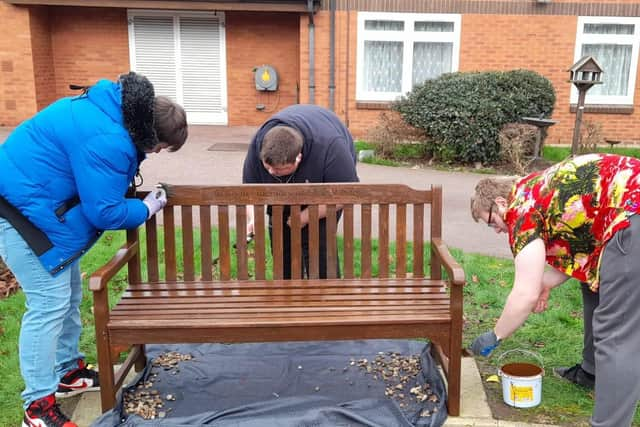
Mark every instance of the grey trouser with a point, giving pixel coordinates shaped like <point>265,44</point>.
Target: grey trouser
<point>616,330</point>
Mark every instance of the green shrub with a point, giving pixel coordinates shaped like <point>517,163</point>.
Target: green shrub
<point>463,112</point>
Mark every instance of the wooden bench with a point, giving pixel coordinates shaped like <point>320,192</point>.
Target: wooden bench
<point>183,296</point>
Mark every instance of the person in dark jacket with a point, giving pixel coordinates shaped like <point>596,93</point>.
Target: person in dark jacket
<point>301,144</point>
<point>65,173</point>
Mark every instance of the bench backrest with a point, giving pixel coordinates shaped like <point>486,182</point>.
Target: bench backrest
<point>214,218</point>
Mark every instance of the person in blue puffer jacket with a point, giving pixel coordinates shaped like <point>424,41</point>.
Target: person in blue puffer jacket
<point>65,175</point>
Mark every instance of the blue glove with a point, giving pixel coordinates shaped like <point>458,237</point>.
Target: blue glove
<point>485,344</point>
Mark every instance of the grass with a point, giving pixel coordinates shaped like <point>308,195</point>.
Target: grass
<point>558,153</point>
<point>556,335</point>
<point>401,156</point>
<point>404,153</point>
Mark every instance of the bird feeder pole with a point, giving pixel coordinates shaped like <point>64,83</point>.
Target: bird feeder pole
<point>583,74</point>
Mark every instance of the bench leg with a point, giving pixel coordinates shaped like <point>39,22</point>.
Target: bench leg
<point>455,362</point>
<point>107,388</point>
<point>451,371</point>
<point>453,400</point>
<point>105,360</point>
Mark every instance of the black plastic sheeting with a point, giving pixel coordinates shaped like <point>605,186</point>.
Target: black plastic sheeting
<point>290,384</point>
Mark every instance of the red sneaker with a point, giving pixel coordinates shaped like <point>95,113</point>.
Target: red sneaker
<point>45,412</point>
<point>78,380</point>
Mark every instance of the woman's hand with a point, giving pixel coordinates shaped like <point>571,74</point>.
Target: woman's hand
<point>543,300</point>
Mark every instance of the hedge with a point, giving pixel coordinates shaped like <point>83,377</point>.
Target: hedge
<point>464,112</point>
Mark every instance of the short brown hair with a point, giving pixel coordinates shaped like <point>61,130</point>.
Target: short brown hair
<point>487,190</point>
<point>281,145</point>
<point>170,122</point>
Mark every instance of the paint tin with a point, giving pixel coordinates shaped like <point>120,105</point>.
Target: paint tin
<point>521,382</point>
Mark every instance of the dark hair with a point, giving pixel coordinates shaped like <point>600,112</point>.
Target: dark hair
<point>281,145</point>
<point>170,122</point>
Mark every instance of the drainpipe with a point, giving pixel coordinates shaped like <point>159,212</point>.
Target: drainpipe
<point>332,55</point>
<point>312,63</point>
<point>348,67</point>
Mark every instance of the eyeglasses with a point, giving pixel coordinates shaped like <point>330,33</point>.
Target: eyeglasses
<point>489,224</point>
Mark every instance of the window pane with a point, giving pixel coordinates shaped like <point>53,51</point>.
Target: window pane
<point>384,25</point>
<point>615,61</point>
<point>608,29</point>
<point>434,27</point>
<point>382,66</point>
<point>430,60</point>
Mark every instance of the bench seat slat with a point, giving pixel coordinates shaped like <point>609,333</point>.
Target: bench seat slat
<point>339,283</point>
<point>283,314</point>
<point>265,303</point>
<point>276,291</point>
<point>263,308</point>
<point>207,311</point>
<point>439,330</point>
<point>277,304</point>
<point>281,321</point>
<point>288,299</point>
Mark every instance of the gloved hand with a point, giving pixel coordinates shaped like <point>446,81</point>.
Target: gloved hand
<point>485,344</point>
<point>155,200</point>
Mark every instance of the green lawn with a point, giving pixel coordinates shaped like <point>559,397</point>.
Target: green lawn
<point>555,335</point>
<point>558,153</point>
<point>408,152</point>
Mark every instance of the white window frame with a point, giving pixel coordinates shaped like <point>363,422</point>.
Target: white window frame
<point>131,13</point>
<point>408,37</point>
<point>622,39</point>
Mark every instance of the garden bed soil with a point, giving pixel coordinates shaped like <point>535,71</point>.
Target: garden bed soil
<point>536,415</point>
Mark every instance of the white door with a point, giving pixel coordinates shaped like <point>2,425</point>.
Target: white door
<point>184,56</point>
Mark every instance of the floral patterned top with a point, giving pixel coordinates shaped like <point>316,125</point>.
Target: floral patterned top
<point>575,207</point>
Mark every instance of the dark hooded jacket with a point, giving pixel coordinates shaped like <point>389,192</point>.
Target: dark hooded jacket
<point>68,168</point>
<point>328,153</point>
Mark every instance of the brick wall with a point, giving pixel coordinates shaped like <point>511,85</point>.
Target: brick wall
<point>541,43</point>
<point>51,48</point>
<point>45,79</point>
<point>17,86</point>
<point>88,44</point>
<point>255,39</point>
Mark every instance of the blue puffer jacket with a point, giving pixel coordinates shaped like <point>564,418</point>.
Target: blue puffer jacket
<point>67,169</point>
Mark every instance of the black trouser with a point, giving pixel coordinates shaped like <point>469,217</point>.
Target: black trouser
<point>322,250</point>
<point>590,301</point>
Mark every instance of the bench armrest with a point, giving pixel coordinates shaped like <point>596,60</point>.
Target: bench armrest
<point>101,276</point>
<point>454,270</point>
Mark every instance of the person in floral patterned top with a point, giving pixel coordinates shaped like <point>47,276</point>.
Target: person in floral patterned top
<point>578,218</point>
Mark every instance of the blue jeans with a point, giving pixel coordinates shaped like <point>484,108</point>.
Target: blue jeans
<point>50,332</point>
